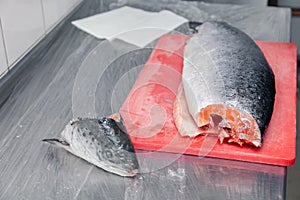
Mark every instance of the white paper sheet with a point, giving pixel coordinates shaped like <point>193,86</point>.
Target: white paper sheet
<point>132,25</point>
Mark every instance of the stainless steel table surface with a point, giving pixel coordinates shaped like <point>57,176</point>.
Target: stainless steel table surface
<point>71,73</point>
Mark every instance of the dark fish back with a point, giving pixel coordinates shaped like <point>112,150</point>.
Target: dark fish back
<point>106,132</point>
<point>116,133</point>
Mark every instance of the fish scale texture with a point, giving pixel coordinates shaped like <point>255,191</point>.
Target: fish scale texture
<point>234,70</point>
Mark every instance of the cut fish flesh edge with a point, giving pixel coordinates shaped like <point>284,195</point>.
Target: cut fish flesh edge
<point>225,122</point>
<point>230,123</point>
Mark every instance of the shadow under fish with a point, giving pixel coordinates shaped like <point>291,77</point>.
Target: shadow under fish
<point>103,142</point>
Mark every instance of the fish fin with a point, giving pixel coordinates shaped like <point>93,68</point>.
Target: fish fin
<point>57,142</point>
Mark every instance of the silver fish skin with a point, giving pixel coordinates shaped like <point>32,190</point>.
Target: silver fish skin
<point>103,142</point>
<point>225,70</point>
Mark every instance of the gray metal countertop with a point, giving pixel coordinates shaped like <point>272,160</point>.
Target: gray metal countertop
<point>38,97</point>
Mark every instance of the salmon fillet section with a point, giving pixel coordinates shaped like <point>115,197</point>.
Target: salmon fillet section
<point>223,121</point>
<point>229,87</point>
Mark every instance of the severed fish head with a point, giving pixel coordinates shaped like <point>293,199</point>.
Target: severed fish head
<point>103,142</point>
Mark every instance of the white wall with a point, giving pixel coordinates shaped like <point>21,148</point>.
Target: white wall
<point>22,24</point>
<point>54,10</point>
<point>25,23</point>
<point>3,63</point>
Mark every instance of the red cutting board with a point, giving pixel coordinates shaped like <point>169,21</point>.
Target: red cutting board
<point>147,111</point>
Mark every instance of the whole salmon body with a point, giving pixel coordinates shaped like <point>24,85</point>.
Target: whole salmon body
<point>229,87</point>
